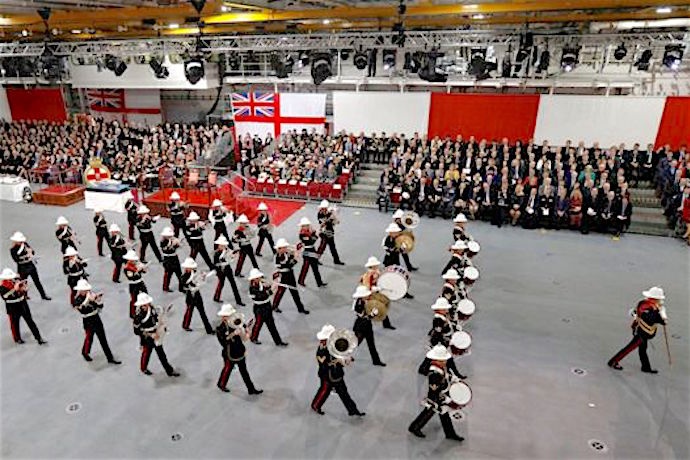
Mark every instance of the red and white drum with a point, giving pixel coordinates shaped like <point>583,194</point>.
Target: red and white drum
<point>465,309</point>
<point>460,343</point>
<point>394,282</point>
<point>460,395</point>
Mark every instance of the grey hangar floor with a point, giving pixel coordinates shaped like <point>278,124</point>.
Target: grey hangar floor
<point>552,309</point>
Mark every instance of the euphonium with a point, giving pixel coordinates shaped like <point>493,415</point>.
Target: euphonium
<point>410,219</point>
<point>342,343</point>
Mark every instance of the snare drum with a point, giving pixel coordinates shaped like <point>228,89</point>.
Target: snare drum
<point>460,395</point>
<point>460,343</point>
<point>473,249</point>
<point>394,282</point>
<point>465,309</point>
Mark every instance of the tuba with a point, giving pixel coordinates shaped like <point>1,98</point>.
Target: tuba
<point>410,220</point>
<point>341,344</point>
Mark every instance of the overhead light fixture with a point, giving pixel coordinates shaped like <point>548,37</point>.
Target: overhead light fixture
<point>304,58</point>
<point>76,31</point>
<point>173,25</point>
<point>321,67</point>
<point>326,21</point>
<point>225,8</point>
<point>429,70</point>
<point>194,69</point>
<point>115,65</point>
<point>570,58</point>
<point>389,59</point>
<point>282,66</point>
<point>25,33</point>
<point>664,10</point>
<point>643,62</point>
<point>198,5</point>
<point>159,70</point>
<point>478,17</point>
<point>360,60</point>
<point>673,55</point>
<point>402,8</point>
<point>479,67</point>
<point>49,65</point>
<point>620,52</point>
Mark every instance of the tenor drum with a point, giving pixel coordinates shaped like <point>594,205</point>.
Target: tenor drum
<point>460,395</point>
<point>473,248</point>
<point>394,282</point>
<point>381,303</point>
<point>460,343</point>
<point>465,309</point>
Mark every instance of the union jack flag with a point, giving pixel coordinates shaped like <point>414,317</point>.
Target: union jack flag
<point>104,100</point>
<point>253,105</point>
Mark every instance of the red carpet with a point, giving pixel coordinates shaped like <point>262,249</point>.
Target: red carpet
<point>280,210</point>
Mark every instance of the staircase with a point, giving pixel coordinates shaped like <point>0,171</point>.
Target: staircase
<point>363,192</point>
<point>648,215</point>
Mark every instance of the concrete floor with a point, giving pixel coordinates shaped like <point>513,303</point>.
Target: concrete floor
<point>548,302</point>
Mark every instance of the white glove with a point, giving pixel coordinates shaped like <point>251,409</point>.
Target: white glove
<point>375,289</point>
<point>374,311</point>
<point>662,313</point>
<point>633,313</point>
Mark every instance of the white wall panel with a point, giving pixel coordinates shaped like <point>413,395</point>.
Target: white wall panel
<point>302,105</point>
<point>607,120</point>
<point>140,76</point>
<point>5,113</point>
<point>375,112</point>
<point>252,128</point>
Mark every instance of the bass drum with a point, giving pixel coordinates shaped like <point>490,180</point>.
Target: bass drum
<point>394,282</point>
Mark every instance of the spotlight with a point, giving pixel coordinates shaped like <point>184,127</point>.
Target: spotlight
<point>428,70</point>
<point>569,59</point>
<point>49,65</point>
<point>115,65</point>
<point>360,60</point>
<point>344,55</point>
<point>673,55</point>
<point>280,65</point>
<point>643,62</point>
<point>321,67</point>
<point>159,70</point>
<point>234,61</point>
<point>304,58</point>
<point>402,8</point>
<point>544,61</point>
<point>194,69</point>
<point>398,39</point>
<point>479,67</point>
<point>388,59</point>
<point>620,52</point>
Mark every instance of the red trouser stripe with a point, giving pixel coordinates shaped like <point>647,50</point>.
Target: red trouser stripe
<point>132,309</point>
<point>303,272</point>
<point>144,358</point>
<point>15,332</point>
<point>626,351</point>
<point>257,327</point>
<point>188,316</point>
<point>86,349</point>
<point>225,373</point>
<point>240,262</point>
<point>219,288</point>
<point>166,280</point>
<point>320,395</point>
<point>322,246</point>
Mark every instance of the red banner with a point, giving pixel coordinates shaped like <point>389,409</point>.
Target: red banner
<point>675,123</point>
<point>36,104</point>
<point>484,116</point>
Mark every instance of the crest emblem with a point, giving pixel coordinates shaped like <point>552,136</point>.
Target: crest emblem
<point>96,172</point>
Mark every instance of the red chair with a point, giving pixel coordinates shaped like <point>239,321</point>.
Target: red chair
<point>270,187</point>
<point>292,188</point>
<point>395,197</point>
<point>336,192</point>
<point>260,186</point>
<point>343,180</point>
<point>325,190</point>
<point>252,185</point>
<point>303,189</point>
<point>282,187</point>
<point>313,190</point>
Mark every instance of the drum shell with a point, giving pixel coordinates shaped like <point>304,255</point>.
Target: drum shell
<point>394,282</point>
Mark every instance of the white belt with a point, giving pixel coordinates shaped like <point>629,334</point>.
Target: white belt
<point>136,282</point>
<point>284,270</point>
<point>81,272</point>
<point>195,237</point>
<point>95,312</point>
<point>145,230</point>
<point>170,255</point>
<point>262,302</point>
<point>13,300</point>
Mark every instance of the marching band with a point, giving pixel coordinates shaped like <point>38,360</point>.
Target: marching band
<point>383,284</point>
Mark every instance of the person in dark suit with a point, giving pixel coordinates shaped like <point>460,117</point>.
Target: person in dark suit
<point>486,202</point>
<point>502,200</point>
<point>606,212</point>
<point>622,211</point>
<point>530,218</point>
<point>590,209</point>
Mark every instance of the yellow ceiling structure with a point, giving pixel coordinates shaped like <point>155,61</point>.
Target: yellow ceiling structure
<point>138,21</point>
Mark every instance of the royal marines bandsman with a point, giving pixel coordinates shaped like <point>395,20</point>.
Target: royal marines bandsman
<point>145,226</point>
<point>327,221</point>
<point>458,261</point>
<point>118,249</point>
<point>232,334</point>
<point>440,333</point>
<point>192,284</point>
<point>242,237</point>
<point>13,292</point>
<point>132,216</point>
<point>310,258</point>
<point>134,272</point>
<point>392,252</point>
<point>221,259</point>
<point>648,314</point>
<point>65,234</point>
<point>260,292</point>
<point>195,237</point>
<point>217,217</point>
<point>332,376</point>
<point>176,211</point>
<point>101,229</point>
<point>285,261</point>
<point>24,256</point>
<point>74,267</point>
<point>435,400</point>
<point>459,231</point>
<point>147,324</point>
<point>397,220</point>
<point>370,279</point>
<point>171,263</point>
<point>363,328</point>
<point>89,306</point>
<point>263,222</point>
